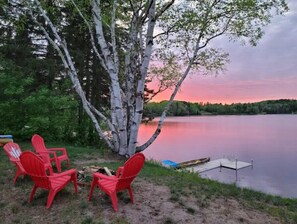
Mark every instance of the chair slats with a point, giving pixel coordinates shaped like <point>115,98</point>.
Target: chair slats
<point>14,151</point>
<point>122,181</point>
<point>36,168</point>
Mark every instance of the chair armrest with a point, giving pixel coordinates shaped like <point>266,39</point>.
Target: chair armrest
<point>103,176</point>
<point>45,155</point>
<point>57,149</point>
<point>66,173</point>
<point>52,153</point>
<point>49,169</point>
<point>119,171</point>
<point>14,160</point>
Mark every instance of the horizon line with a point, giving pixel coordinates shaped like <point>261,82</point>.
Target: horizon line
<point>224,103</point>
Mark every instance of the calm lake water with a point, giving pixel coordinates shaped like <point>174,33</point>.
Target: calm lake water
<point>269,140</point>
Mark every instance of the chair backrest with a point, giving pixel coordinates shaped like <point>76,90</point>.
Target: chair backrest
<point>130,170</point>
<point>35,168</point>
<point>39,146</point>
<point>13,151</point>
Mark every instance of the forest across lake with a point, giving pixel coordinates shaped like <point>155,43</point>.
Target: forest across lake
<point>183,108</point>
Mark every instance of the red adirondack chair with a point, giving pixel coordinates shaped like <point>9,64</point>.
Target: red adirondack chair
<point>14,151</point>
<point>122,181</point>
<point>38,171</point>
<point>40,148</point>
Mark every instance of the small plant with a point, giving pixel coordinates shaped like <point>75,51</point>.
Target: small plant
<point>83,204</point>
<point>191,210</point>
<point>2,204</point>
<point>15,209</point>
<point>202,201</point>
<point>87,220</point>
<point>121,220</point>
<point>169,221</point>
<point>295,218</point>
<point>174,197</point>
<point>16,220</point>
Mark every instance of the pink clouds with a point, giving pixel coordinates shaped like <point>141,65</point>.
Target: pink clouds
<point>221,90</point>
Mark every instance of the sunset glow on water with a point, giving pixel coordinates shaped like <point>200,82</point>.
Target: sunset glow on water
<point>269,140</point>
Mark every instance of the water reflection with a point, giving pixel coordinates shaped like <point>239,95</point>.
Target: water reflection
<point>267,139</point>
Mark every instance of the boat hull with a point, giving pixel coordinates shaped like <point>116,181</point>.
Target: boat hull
<point>193,162</point>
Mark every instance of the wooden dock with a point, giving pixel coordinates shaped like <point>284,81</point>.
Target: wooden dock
<point>220,163</point>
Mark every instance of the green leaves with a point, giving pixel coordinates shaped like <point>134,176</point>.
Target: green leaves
<point>210,60</point>
<point>25,111</point>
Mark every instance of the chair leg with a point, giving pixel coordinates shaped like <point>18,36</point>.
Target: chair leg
<point>68,163</point>
<point>50,198</point>
<point>33,192</point>
<point>74,182</point>
<point>94,182</point>
<point>58,164</point>
<point>18,173</point>
<point>131,194</point>
<point>16,177</point>
<point>114,200</point>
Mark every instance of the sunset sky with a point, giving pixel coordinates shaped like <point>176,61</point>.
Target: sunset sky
<point>267,71</point>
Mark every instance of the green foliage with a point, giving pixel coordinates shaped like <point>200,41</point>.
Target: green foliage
<point>50,114</point>
<point>36,97</point>
<point>24,112</point>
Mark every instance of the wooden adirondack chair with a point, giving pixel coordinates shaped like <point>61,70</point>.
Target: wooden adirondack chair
<point>38,171</point>
<point>14,151</point>
<point>40,148</point>
<point>122,181</point>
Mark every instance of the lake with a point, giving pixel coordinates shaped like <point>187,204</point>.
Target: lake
<point>269,140</point>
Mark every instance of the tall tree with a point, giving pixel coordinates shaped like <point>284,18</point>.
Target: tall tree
<point>26,107</point>
<point>175,34</point>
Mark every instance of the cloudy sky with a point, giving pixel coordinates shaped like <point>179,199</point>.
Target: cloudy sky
<point>267,71</point>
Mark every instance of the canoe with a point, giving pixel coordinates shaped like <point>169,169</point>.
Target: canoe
<point>193,162</point>
<point>6,136</point>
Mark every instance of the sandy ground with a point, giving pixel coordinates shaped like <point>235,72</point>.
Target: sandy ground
<point>153,205</point>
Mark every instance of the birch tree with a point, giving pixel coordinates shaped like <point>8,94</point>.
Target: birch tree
<point>163,39</point>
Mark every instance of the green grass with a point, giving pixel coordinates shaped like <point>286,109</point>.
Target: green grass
<point>181,185</point>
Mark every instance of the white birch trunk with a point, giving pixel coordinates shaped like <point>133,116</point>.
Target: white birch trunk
<point>115,85</point>
<point>141,82</point>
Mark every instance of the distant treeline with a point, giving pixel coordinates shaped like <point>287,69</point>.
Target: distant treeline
<point>182,108</point>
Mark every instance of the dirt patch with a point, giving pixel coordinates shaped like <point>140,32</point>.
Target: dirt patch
<point>153,204</point>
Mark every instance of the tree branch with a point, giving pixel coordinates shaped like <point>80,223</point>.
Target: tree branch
<point>164,8</point>
<point>113,36</point>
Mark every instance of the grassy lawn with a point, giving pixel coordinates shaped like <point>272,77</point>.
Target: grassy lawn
<point>69,207</point>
